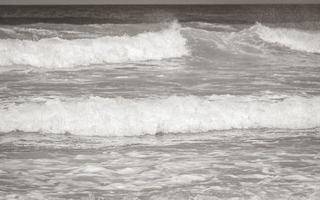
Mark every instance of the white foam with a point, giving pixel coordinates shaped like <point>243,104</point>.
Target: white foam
<point>292,38</point>
<point>129,117</point>
<point>57,53</point>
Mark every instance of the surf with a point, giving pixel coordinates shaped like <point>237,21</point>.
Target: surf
<point>62,53</point>
<point>257,39</point>
<point>295,39</point>
<point>149,116</point>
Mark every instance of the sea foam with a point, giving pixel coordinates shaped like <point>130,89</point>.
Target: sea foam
<point>62,53</point>
<point>174,114</point>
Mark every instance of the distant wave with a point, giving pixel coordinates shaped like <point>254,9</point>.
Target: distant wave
<point>292,38</point>
<point>59,53</point>
<point>256,38</point>
<point>189,114</point>
<point>171,42</point>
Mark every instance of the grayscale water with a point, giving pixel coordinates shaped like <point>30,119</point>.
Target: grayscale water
<point>160,102</point>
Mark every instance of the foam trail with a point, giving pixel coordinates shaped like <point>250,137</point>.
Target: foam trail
<point>189,114</point>
<point>292,38</point>
<point>56,52</point>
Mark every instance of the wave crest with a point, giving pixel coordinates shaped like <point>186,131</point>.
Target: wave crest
<point>257,39</point>
<point>190,114</point>
<point>58,53</point>
<point>292,38</point>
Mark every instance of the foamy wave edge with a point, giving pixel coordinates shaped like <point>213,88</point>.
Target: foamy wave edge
<point>61,53</point>
<point>133,117</point>
<point>300,40</point>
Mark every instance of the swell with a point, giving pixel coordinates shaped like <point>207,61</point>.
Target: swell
<point>132,117</point>
<point>59,53</point>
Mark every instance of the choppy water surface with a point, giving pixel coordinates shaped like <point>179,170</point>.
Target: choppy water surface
<point>163,103</point>
<point>254,164</point>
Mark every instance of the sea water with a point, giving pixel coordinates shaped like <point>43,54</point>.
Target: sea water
<point>160,102</point>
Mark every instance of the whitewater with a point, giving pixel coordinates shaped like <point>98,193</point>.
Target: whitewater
<point>125,117</point>
<point>56,52</point>
<point>175,44</point>
<point>167,102</point>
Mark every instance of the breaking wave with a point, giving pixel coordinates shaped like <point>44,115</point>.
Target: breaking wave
<point>132,117</point>
<point>59,53</point>
<point>171,42</point>
<point>292,38</point>
<point>257,39</point>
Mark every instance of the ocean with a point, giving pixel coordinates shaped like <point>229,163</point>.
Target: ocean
<point>160,102</point>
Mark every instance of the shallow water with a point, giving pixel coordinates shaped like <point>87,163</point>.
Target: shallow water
<point>252,164</point>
